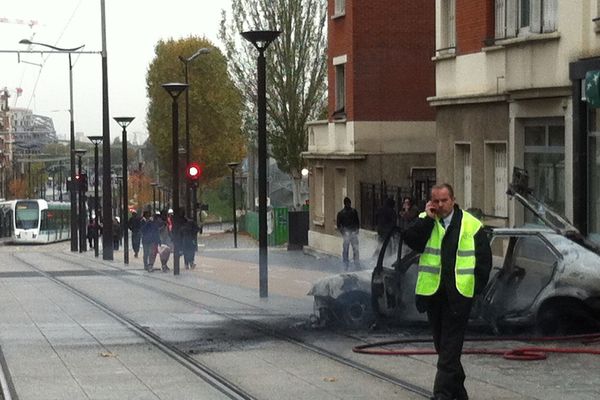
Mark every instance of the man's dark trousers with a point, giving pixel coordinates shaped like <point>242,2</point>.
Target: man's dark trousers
<point>448,324</point>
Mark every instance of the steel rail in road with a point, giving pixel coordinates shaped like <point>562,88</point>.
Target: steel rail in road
<point>263,328</point>
<point>209,375</point>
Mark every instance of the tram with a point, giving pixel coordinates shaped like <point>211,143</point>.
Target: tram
<point>34,221</point>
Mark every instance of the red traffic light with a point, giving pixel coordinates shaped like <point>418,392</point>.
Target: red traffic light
<point>193,171</point>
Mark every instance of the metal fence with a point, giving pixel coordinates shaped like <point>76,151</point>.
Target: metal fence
<point>373,195</point>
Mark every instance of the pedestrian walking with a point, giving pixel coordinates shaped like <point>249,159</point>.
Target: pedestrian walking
<point>116,232</point>
<point>189,242</point>
<point>150,239</point>
<point>92,232</point>
<point>454,266</point>
<point>135,226</point>
<point>166,241</point>
<point>385,219</point>
<point>348,224</point>
<point>408,213</point>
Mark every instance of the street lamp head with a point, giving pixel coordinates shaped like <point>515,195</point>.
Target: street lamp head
<point>72,49</point>
<point>261,39</point>
<point>124,121</point>
<point>175,89</point>
<point>304,171</point>
<point>79,152</point>
<point>154,184</point>
<point>96,140</point>
<point>233,165</point>
<point>203,50</point>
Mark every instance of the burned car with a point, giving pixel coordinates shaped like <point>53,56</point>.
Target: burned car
<point>547,277</point>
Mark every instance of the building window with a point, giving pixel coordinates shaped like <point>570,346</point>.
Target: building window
<point>522,17</point>
<point>340,90</point>
<point>594,174</point>
<point>496,180</point>
<point>544,159</point>
<point>340,7</point>
<point>462,175</point>
<point>448,27</point>
<point>319,194</point>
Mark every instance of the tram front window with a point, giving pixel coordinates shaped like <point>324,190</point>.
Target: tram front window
<point>27,215</point>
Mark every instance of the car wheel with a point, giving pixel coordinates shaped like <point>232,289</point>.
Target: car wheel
<point>354,310</point>
<point>565,318</point>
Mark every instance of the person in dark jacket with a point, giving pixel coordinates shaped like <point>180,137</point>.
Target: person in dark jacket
<point>454,266</point>
<point>150,239</point>
<point>408,213</point>
<point>135,226</point>
<point>116,232</point>
<point>385,219</point>
<point>189,242</point>
<point>348,224</point>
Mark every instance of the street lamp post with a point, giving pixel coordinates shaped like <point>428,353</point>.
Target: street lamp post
<point>174,90</point>
<point>233,166</point>
<point>154,185</point>
<point>261,40</point>
<point>79,153</point>
<point>96,140</point>
<point>120,211</point>
<point>124,122</point>
<point>185,62</point>
<point>72,135</point>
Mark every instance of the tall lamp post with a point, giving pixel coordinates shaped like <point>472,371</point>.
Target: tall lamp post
<point>96,140</point>
<point>154,185</point>
<point>72,134</point>
<point>185,62</point>
<point>233,166</point>
<point>124,122</point>
<point>261,40</point>
<point>174,90</point>
<point>79,187</point>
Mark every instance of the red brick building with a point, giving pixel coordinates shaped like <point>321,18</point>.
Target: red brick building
<point>380,132</point>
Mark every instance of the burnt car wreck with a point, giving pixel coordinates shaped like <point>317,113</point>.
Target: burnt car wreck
<point>544,276</point>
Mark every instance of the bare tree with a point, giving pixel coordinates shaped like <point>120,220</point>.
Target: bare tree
<point>296,72</point>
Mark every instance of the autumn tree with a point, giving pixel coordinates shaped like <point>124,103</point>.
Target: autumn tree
<point>296,71</point>
<point>215,107</point>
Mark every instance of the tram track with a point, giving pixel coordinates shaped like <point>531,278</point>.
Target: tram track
<point>210,376</point>
<point>258,326</point>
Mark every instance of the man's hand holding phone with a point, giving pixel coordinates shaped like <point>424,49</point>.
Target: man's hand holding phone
<point>430,209</point>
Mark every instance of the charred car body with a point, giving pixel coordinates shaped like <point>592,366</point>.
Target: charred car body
<point>545,277</point>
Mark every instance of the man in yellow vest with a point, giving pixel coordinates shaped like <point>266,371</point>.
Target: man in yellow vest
<point>454,266</point>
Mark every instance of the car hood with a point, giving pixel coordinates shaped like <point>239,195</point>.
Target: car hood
<point>335,285</point>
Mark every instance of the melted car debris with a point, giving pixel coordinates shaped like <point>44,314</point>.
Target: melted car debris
<point>546,277</point>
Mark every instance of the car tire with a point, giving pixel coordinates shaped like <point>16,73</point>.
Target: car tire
<point>566,317</point>
<point>354,310</point>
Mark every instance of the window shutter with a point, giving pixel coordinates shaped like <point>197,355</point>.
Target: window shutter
<point>535,16</point>
<point>549,13</point>
<point>451,34</point>
<point>511,17</point>
<point>500,181</point>
<point>500,19</point>
<point>467,177</point>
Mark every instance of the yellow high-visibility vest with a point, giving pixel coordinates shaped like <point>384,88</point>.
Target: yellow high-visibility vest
<point>430,262</point>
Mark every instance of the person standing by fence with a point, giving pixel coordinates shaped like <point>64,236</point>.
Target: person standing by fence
<point>349,225</point>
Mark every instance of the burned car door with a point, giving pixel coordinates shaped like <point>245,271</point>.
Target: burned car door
<point>527,268</point>
<point>394,279</point>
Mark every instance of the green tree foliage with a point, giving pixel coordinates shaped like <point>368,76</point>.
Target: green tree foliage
<point>296,69</point>
<point>215,107</point>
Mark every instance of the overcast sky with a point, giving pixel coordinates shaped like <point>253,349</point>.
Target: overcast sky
<point>133,28</point>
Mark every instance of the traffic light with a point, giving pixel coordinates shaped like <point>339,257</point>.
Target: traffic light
<point>193,172</point>
<point>81,181</point>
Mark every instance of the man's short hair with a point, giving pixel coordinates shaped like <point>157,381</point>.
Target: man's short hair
<point>347,201</point>
<point>446,186</point>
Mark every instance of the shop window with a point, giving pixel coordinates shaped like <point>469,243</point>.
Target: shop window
<point>544,158</point>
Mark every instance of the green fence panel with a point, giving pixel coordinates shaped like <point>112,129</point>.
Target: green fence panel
<point>280,229</point>
<point>279,235</point>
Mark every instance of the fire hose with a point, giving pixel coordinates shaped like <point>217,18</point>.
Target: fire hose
<point>527,353</point>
